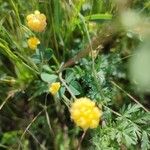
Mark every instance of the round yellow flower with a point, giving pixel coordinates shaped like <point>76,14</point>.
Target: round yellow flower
<point>33,42</point>
<point>54,87</point>
<point>85,113</point>
<point>36,21</point>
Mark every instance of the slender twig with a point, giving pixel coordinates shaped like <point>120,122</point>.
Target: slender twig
<point>27,128</point>
<point>82,137</point>
<point>47,116</point>
<point>10,94</point>
<point>4,102</point>
<point>3,146</point>
<point>116,113</point>
<point>66,101</point>
<point>48,122</point>
<point>37,141</point>
<point>130,96</point>
<point>31,123</point>
<point>66,86</point>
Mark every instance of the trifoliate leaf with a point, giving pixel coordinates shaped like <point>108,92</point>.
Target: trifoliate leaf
<point>50,78</point>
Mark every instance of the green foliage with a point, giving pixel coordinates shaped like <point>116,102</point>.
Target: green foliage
<point>125,130</point>
<point>50,78</point>
<point>11,139</point>
<point>99,17</point>
<point>33,118</point>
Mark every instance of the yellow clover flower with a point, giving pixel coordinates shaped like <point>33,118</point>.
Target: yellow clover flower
<point>33,42</point>
<point>85,113</point>
<point>54,87</point>
<point>36,21</point>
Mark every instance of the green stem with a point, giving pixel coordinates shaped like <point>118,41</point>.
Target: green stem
<point>64,83</point>
<point>55,60</point>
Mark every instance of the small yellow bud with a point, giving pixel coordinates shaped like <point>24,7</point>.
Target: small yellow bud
<point>85,113</point>
<point>36,21</point>
<point>54,87</point>
<point>36,12</point>
<point>33,42</point>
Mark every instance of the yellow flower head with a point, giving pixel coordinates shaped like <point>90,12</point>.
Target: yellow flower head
<point>85,113</point>
<point>33,42</point>
<point>54,87</point>
<point>36,21</point>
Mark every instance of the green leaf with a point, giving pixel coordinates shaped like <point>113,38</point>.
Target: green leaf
<point>46,68</point>
<point>74,91</point>
<point>130,109</point>
<point>126,132</point>
<point>62,91</point>
<point>48,54</point>
<point>69,77</point>
<point>145,145</point>
<point>49,78</point>
<point>41,88</point>
<point>10,137</point>
<point>36,58</point>
<point>142,117</point>
<point>129,140</point>
<point>75,87</point>
<point>99,17</point>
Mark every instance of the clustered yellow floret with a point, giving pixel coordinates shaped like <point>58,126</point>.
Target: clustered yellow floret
<point>36,21</point>
<point>33,42</point>
<point>54,87</point>
<point>85,113</point>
